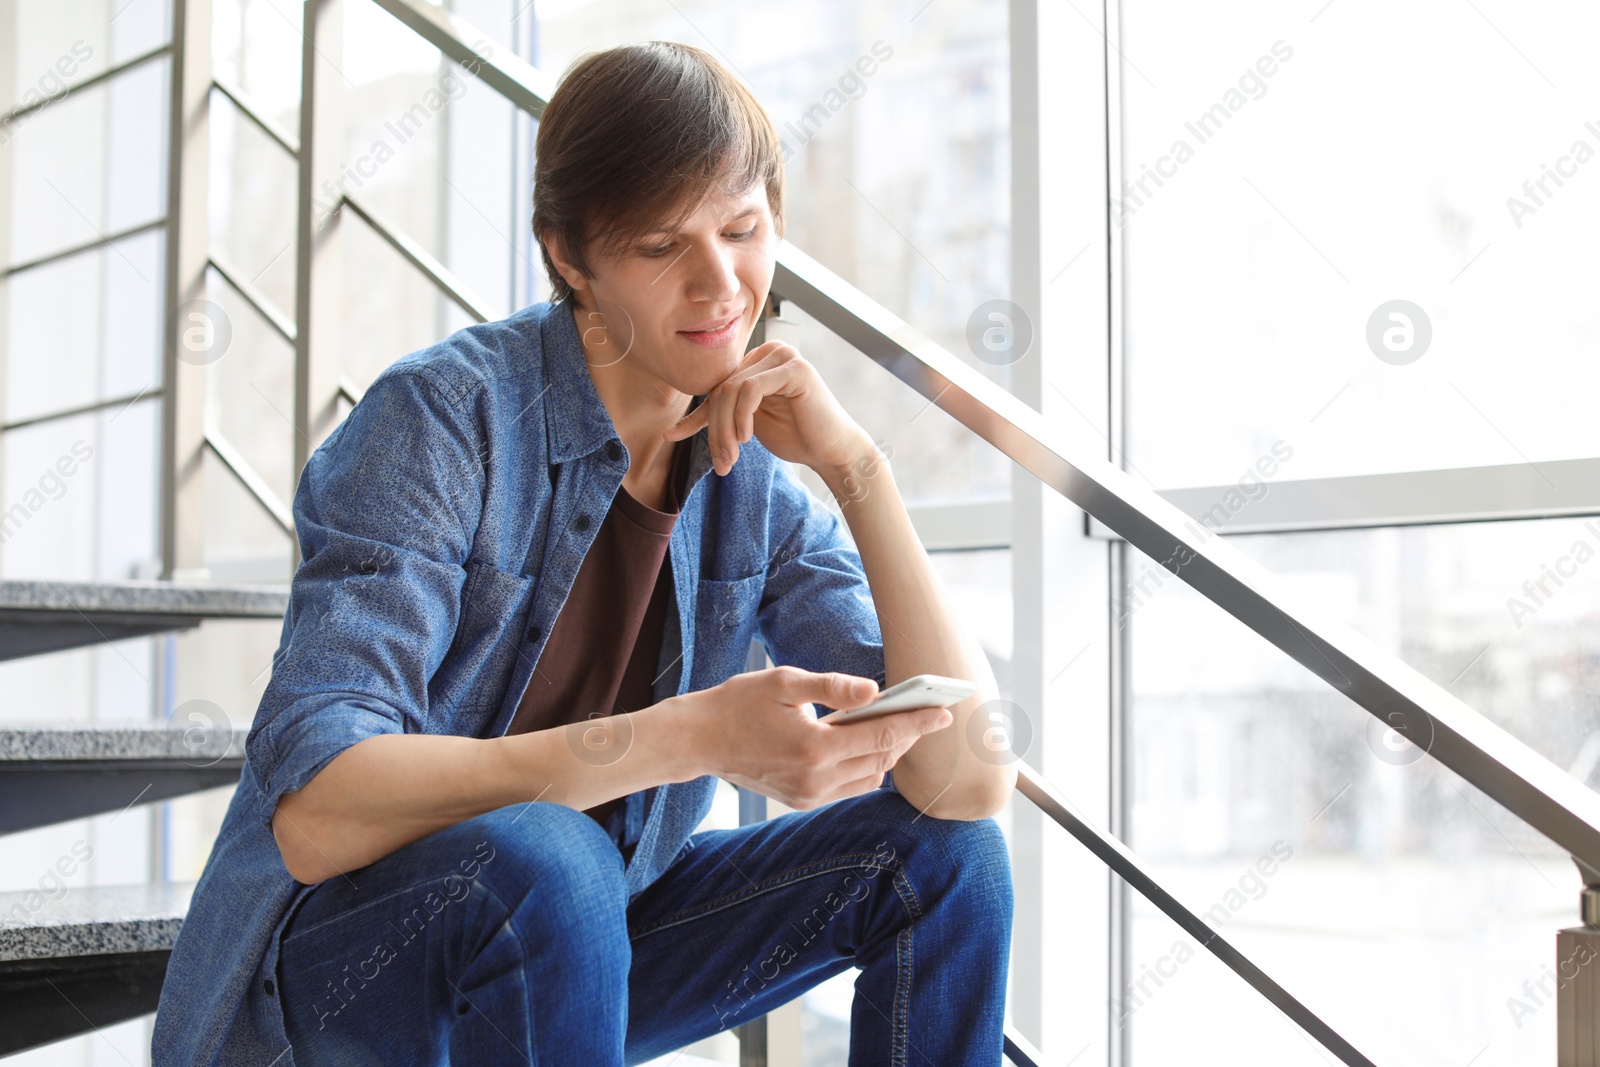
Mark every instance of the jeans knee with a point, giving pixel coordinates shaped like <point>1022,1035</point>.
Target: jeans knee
<point>552,865</point>
<point>971,854</point>
<point>980,851</point>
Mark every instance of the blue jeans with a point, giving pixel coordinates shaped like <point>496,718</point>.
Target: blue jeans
<point>509,939</point>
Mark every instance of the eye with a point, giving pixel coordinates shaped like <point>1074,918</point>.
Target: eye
<point>745,236</point>
<point>655,253</point>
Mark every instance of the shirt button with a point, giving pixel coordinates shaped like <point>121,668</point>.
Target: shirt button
<point>613,451</point>
<point>581,522</point>
<point>271,991</point>
<point>534,633</point>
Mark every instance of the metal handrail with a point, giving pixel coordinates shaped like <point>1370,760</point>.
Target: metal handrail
<point>1527,784</point>
<point>102,241</point>
<point>1020,1051</point>
<point>252,482</point>
<point>506,72</point>
<point>24,110</point>
<point>81,409</point>
<point>280,323</point>
<point>350,391</point>
<point>1117,856</point>
<point>441,276</point>
<point>277,134</point>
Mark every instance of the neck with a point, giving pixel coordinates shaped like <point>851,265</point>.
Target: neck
<point>641,406</point>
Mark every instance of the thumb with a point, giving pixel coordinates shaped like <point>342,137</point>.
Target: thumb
<point>849,690</point>
<point>834,688</point>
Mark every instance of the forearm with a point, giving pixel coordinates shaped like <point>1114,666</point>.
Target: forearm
<point>940,774</point>
<point>385,792</point>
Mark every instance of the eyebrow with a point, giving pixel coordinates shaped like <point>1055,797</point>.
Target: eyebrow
<point>752,209</point>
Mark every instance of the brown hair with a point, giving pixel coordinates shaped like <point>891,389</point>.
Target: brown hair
<point>634,132</point>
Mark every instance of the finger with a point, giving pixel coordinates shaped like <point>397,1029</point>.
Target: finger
<point>690,423</point>
<point>833,688</point>
<point>884,733</point>
<point>858,767</point>
<point>855,788</point>
<point>751,393</point>
<point>777,380</point>
<point>763,356</point>
<point>721,429</point>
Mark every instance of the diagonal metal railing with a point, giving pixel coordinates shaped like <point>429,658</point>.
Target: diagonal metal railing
<point>1400,697</point>
<point>1527,784</point>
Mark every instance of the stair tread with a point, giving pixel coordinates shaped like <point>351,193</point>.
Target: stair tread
<point>145,597</point>
<point>92,920</point>
<point>192,742</point>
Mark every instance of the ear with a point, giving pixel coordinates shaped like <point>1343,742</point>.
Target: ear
<point>558,255</point>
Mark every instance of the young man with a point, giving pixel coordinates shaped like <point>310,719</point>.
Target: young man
<point>535,556</point>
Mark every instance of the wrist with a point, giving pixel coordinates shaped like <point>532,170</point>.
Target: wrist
<point>851,478</point>
<point>685,743</point>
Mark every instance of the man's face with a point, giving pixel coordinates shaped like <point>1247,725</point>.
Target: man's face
<point>657,304</point>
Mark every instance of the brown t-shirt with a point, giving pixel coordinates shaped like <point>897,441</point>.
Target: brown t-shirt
<point>602,651</point>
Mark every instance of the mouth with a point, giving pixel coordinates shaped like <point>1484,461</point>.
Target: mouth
<point>716,334</point>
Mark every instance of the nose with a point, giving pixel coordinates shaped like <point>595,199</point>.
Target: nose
<point>711,273</point>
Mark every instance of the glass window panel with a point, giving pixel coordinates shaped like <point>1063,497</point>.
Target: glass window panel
<point>242,543</point>
<point>390,308</point>
<point>69,508</point>
<point>84,328</point>
<point>253,209</point>
<point>1397,868</point>
<point>89,165</point>
<point>1276,202</point>
<point>481,238</point>
<point>136,28</point>
<point>256,45</point>
<point>250,392</point>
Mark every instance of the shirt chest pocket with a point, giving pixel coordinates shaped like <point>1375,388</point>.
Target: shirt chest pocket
<point>477,669</point>
<point>725,618</point>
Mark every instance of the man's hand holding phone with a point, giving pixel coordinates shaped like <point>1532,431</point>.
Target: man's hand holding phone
<point>758,730</point>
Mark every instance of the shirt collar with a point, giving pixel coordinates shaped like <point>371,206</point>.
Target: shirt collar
<point>576,421</point>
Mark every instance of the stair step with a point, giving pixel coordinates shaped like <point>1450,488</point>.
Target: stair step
<point>188,743</point>
<point>52,773</point>
<point>87,959</point>
<point>42,615</point>
<point>110,945</point>
<point>92,920</point>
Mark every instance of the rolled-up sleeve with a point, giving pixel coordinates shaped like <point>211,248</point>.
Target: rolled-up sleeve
<point>816,606</point>
<point>385,513</point>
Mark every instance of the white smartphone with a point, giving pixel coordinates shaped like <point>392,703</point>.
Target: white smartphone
<point>920,691</point>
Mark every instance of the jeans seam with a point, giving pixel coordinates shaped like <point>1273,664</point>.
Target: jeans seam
<point>902,989</point>
<point>899,1036</point>
<point>766,885</point>
<point>410,887</point>
<point>900,879</point>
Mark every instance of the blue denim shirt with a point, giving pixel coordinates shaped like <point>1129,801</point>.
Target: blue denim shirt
<point>441,526</point>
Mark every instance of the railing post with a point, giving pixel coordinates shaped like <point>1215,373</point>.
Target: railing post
<point>318,302</point>
<point>8,100</point>
<point>190,326</point>
<point>1578,981</point>
<point>1058,360</point>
